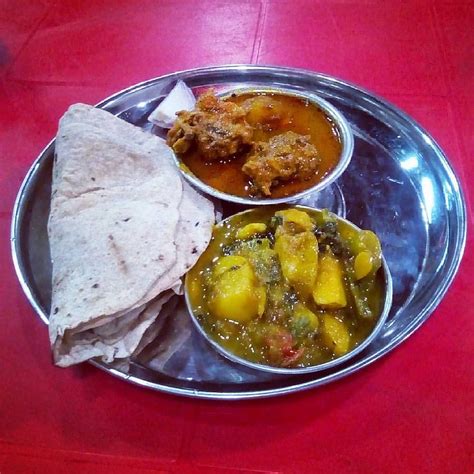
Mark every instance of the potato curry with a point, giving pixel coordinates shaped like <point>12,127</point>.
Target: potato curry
<point>256,144</point>
<point>288,288</point>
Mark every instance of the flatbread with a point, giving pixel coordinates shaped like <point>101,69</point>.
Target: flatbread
<point>114,214</point>
<point>116,340</point>
<point>153,330</point>
<point>123,230</point>
<point>174,338</point>
<point>194,232</point>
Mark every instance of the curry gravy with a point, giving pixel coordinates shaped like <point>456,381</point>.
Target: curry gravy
<point>300,116</point>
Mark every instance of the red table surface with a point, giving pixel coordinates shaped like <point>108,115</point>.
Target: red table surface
<point>412,411</point>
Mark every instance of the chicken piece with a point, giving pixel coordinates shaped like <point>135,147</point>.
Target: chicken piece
<point>217,129</point>
<point>284,157</point>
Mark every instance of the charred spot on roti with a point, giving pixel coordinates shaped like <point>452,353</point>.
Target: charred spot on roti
<point>117,254</point>
<point>56,309</point>
<point>58,281</point>
<point>127,219</point>
<point>194,251</point>
<point>95,285</point>
<point>92,178</point>
<point>197,223</point>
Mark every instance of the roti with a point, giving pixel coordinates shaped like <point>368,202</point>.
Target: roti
<point>120,233</point>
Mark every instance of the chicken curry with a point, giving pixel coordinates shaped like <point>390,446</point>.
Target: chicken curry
<point>261,144</point>
<point>288,288</point>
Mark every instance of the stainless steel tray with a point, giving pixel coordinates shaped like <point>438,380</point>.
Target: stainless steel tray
<point>398,183</point>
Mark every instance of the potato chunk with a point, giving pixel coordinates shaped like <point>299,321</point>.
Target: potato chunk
<point>251,229</point>
<point>365,246</point>
<point>295,220</point>
<point>372,245</point>
<point>363,264</point>
<point>298,256</point>
<point>335,334</point>
<point>226,263</point>
<point>329,291</point>
<point>235,293</point>
<point>263,112</point>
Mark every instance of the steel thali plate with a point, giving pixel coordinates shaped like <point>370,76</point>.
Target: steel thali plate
<point>399,184</point>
